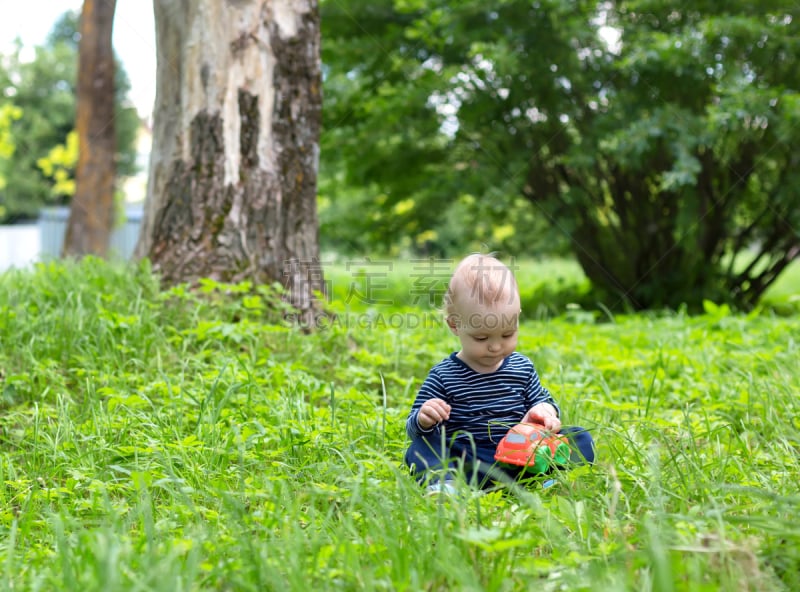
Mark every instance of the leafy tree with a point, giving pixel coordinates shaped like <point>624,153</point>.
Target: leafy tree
<point>40,87</point>
<point>388,151</point>
<point>658,137</point>
<point>45,88</point>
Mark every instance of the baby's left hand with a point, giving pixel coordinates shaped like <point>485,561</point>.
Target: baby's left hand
<point>544,414</point>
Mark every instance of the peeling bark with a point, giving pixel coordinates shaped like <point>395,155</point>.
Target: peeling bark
<point>232,191</point>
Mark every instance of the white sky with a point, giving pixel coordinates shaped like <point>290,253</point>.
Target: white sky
<point>134,37</point>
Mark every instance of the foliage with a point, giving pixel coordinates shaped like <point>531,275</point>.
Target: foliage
<point>45,88</point>
<point>8,113</point>
<point>184,440</point>
<point>656,138</point>
<point>59,165</point>
<point>384,151</point>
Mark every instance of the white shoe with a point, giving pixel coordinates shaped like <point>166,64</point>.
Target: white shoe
<point>447,487</point>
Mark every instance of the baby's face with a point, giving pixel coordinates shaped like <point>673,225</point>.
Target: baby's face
<point>488,333</point>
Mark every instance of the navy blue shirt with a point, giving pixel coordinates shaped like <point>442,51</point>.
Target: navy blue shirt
<point>482,406</point>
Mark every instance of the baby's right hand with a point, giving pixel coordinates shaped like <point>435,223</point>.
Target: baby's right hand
<point>432,412</point>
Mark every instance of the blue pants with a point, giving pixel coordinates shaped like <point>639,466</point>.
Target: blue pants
<point>430,455</point>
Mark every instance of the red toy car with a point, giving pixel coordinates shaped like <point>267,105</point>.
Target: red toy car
<point>531,445</point>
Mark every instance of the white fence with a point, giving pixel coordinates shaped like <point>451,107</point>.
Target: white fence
<point>19,246</point>
<point>24,244</point>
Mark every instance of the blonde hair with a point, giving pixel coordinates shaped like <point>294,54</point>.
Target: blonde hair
<point>483,278</point>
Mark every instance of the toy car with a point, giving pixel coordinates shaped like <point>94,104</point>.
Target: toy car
<point>531,445</point>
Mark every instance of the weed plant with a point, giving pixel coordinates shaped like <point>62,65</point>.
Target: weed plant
<point>185,440</point>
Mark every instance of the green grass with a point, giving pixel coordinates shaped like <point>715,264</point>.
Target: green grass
<point>170,440</point>
<point>786,289</point>
<point>548,287</point>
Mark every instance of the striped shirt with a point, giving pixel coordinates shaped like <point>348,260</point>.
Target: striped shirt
<point>482,406</point>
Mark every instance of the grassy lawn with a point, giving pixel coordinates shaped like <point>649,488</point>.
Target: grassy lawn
<point>786,287</point>
<point>547,286</point>
<point>178,441</point>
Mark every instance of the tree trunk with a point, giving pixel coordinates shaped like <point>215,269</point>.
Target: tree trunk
<point>233,169</point>
<point>92,211</point>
